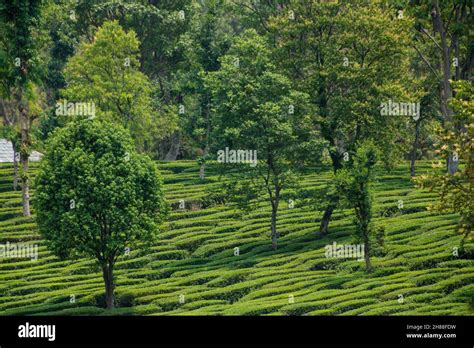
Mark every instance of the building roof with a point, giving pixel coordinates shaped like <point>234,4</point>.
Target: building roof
<point>6,152</point>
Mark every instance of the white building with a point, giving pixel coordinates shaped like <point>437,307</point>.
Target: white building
<point>6,152</point>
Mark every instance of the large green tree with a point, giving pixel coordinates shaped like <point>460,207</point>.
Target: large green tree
<point>159,26</point>
<point>106,72</point>
<point>95,196</point>
<point>350,57</point>
<point>256,109</point>
<point>208,38</point>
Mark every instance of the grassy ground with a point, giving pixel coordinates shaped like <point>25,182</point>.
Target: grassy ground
<point>192,269</point>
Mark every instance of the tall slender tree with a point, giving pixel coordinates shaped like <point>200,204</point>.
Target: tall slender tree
<point>353,183</point>
<point>207,40</point>
<point>448,33</point>
<point>20,20</point>
<point>256,109</point>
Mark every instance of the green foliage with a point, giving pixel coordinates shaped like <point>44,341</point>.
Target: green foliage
<point>106,72</point>
<point>19,19</point>
<point>94,194</point>
<point>252,102</point>
<point>353,183</point>
<point>285,78</point>
<point>456,191</point>
<point>419,251</point>
<point>257,109</point>
<point>349,57</point>
<point>208,38</point>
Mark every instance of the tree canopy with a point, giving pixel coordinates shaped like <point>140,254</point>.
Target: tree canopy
<point>96,195</point>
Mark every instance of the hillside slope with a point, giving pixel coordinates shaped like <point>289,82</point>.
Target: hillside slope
<point>192,269</point>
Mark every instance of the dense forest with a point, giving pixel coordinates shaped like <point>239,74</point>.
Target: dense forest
<point>179,136</point>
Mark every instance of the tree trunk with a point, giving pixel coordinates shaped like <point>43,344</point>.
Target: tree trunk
<point>414,148</point>
<point>412,162</point>
<point>451,165</point>
<point>274,227</point>
<point>323,227</point>
<point>15,166</point>
<point>24,159</point>
<point>25,144</point>
<point>25,194</point>
<point>446,90</point>
<point>174,147</point>
<point>368,265</point>
<point>202,169</point>
<point>107,272</point>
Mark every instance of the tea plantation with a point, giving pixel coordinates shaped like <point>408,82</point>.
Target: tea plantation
<point>193,268</point>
